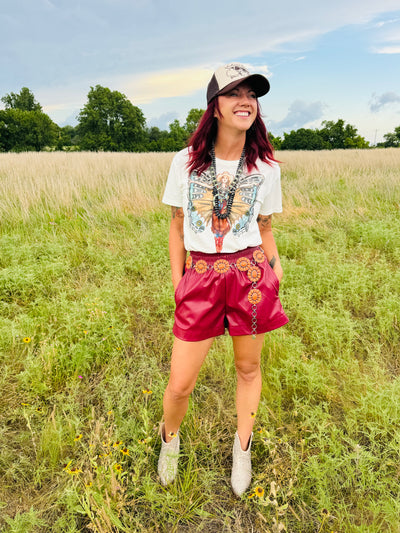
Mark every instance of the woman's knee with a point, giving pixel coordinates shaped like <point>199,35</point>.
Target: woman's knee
<point>248,371</point>
<point>178,390</point>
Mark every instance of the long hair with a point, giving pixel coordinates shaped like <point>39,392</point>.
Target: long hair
<point>257,143</point>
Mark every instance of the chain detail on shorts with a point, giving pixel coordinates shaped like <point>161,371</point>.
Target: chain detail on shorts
<point>244,264</point>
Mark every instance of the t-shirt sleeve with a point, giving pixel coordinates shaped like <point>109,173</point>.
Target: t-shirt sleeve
<point>273,201</point>
<point>172,192</point>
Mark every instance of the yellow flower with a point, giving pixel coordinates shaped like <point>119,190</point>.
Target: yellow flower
<point>85,331</point>
<point>118,467</point>
<point>88,484</point>
<point>253,414</point>
<point>27,340</point>
<point>110,412</point>
<point>25,404</point>
<point>259,492</point>
<point>73,471</point>
<point>125,451</point>
<point>117,444</point>
<point>172,434</point>
<point>147,391</point>
<point>251,495</point>
<point>78,437</point>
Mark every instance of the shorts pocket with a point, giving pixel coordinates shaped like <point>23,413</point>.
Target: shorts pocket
<point>274,278</point>
<point>179,291</point>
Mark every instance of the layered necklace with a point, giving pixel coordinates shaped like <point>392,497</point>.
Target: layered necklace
<point>218,199</point>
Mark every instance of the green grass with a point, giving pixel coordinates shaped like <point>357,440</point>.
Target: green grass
<point>86,282</point>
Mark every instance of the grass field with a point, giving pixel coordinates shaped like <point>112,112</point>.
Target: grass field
<point>86,311</point>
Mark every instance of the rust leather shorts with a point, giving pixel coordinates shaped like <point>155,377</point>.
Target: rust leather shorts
<point>238,291</point>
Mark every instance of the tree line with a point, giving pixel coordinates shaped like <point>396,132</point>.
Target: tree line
<point>110,122</point>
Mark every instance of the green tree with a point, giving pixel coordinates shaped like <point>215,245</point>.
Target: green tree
<point>336,135</point>
<point>392,139</point>
<point>67,138</point>
<point>275,141</point>
<point>25,101</point>
<point>303,139</point>
<point>192,120</point>
<point>23,131</point>
<point>110,122</point>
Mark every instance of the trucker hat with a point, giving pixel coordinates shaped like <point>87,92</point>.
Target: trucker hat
<point>228,76</point>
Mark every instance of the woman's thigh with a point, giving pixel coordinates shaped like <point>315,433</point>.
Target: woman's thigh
<point>186,361</point>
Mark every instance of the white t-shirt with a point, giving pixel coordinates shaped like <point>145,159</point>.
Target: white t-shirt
<point>258,192</point>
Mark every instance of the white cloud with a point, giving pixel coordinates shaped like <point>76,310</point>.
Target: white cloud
<point>378,102</point>
<point>391,49</point>
<point>300,114</point>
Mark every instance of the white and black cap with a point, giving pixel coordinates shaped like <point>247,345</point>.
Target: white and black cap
<point>228,76</point>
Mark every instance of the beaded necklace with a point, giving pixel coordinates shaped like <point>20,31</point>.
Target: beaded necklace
<point>217,198</point>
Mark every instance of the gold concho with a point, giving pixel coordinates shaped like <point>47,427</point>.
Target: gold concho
<point>243,264</point>
<point>200,266</point>
<point>258,256</point>
<point>221,266</point>
<point>254,296</point>
<point>254,274</point>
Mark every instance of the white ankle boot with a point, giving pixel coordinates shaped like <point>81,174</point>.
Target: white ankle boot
<point>168,460</point>
<point>241,467</point>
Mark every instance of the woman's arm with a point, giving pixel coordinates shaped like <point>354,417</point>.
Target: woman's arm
<point>268,243</point>
<point>177,252</point>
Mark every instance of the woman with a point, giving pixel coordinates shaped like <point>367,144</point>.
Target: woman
<point>222,191</point>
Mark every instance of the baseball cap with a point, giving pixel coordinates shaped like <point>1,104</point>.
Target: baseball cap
<point>228,76</point>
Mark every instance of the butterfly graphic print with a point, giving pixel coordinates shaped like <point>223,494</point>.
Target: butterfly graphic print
<point>201,210</point>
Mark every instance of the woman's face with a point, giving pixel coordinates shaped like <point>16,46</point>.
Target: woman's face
<point>238,108</point>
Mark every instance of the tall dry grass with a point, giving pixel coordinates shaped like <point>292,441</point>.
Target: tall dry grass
<point>42,183</point>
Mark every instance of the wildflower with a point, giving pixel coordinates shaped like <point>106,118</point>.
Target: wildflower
<point>73,471</point>
<point>118,467</point>
<point>105,454</point>
<point>88,484</point>
<point>260,430</point>
<point>125,451</point>
<point>172,434</point>
<point>78,437</point>
<point>39,410</point>
<point>324,512</point>
<point>117,444</point>
<point>118,348</point>
<point>259,492</point>
<point>67,466</point>
<point>106,444</point>
<point>27,340</point>
<point>110,412</point>
<point>25,404</point>
<point>80,377</point>
<point>147,391</point>
<point>251,495</point>
<point>85,331</point>
<point>253,414</point>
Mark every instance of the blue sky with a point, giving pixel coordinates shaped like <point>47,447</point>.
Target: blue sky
<point>324,62</point>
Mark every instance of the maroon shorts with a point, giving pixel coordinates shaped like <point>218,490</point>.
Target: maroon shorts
<point>238,291</point>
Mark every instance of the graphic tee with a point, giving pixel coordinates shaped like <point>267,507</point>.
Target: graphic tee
<point>258,193</point>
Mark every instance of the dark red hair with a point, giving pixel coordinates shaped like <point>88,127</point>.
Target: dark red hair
<point>200,143</point>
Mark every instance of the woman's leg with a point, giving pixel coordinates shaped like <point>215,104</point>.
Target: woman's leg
<point>247,361</point>
<point>186,361</point>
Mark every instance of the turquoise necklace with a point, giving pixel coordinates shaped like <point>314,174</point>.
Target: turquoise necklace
<point>217,199</point>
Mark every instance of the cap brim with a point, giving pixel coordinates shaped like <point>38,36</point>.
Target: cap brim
<point>258,83</point>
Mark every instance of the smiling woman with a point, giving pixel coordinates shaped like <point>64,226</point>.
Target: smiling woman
<point>223,190</point>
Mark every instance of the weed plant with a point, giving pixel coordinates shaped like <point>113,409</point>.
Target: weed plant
<point>86,311</point>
